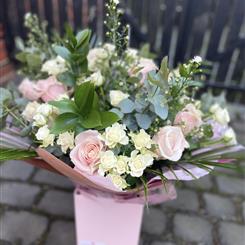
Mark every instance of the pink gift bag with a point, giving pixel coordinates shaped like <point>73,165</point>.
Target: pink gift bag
<point>105,221</point>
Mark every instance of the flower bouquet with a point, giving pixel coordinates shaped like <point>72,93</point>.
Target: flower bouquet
<point>107,117</point>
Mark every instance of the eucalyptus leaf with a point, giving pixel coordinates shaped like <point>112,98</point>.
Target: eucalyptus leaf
<point>5,95</point>
<point>143,120</point>
<point>118,112</point>
<point>67,78</point>
<point>62,51</point>
<point>127,106</point>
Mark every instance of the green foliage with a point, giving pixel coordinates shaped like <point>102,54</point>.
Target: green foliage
<point>82,113</point>
<point>36,49</point>
<point>15,154</point>
<point>145,52</point>
<point>5,99</point>
<point>74,50</point>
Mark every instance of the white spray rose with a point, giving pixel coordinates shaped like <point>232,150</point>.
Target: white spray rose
<point>230,137</point>
<point>220,115</point>
<point>107,161</point>
<point>97,79</point>
<point>39,120</point>
<point>45,109</point>
<point>43,134</point>
<point>116,134</point>
<point>118,181</point>
<point>138,163</point>
<point>122,165</point>
<point>116,96</point>
<point>30,110</point>
<point>66,141</point>
<point>54,66</point>
<point>141,140</point>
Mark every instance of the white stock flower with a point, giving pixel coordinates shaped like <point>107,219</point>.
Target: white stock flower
<point>39,120</point>
<point>54,66</point>
<point>97,79</point>
<point>230,137</point>
<point>107,161</point>
<point>122,165</point>
<point>138,163</point>
<point>118,181</point>
<point>116,96</point>
<point>66,141</point>
<point>220,115</point>
<point>30,110</point>
<point>141,140</point>
<point>97,58</point>
<point>116,134</point>
<point>43,134</point>
<point>45,109</point>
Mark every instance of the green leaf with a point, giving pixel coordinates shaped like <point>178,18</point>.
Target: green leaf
<point>5,95</point>
<point>83,37</point>
<point>33,60</point>
<point>65,105</point>
<point>164,71</point>
<point>84,97</point>
<point>67,78</point>
<point>96,101</point>
<point>92,120</point>
<point>62,51</point>
<point>107,119</point>
<point>15,154</point>
<point>64,122</point>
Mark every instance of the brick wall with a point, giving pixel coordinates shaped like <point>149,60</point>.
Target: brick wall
<point>6,68</point>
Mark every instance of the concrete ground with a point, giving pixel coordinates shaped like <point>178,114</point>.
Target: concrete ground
<point>36,207</point>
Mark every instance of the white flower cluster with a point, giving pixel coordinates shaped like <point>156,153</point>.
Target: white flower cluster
<point>221,115</point>
<point>54,66</point>
<point>116,167</point>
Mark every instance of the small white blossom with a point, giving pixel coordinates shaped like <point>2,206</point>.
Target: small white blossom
<point>138,163</point>
<point>219,114</point>
<point>54,66</point>
<point>45,109</point>
<point>230,137</point>
<point>116,134</point>
<point>43,134</point>
<point>116,96</point>
<point>122,165</point>
<point>116,2</point>
<point>66,141</point>
<point>141,140</point>
<point>107,162</point>
<point>39,120</point>
<point>197,59</point>
<point>97,79</point>
<point>30,110</point>
<point>118,181</point>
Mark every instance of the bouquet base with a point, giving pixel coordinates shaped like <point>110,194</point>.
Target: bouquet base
<point>105,221</point>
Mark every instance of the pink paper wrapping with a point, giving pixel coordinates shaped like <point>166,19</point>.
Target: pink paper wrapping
<point>104,221</point>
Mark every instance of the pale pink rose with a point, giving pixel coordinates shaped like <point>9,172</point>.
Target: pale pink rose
<point>171,143</point>
<point>30,90</point>
<point>51,88</point>
<point>87,149</point>
<point>188,119</point>
<point>146,66</point>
